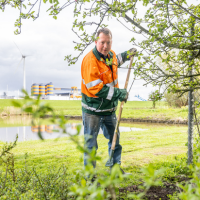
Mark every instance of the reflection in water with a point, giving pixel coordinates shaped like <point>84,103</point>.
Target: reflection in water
<point>49,128</point>
<point>26,133</point>
<point>42,128</point>
<point>6,134</point>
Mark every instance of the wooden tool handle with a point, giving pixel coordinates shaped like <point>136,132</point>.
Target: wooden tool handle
<point>121,107</point>
<point>128,74</point>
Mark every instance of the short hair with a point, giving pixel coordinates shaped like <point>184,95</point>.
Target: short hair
<point>106,31</point>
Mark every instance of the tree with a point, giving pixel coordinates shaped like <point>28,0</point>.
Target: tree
<point>166,26</point>
<point>155,96</point>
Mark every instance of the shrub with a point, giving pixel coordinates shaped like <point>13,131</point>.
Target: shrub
<point>174,100</point>
<point>155,96</point>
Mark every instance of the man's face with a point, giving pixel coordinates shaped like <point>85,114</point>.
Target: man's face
<point>104,43</point>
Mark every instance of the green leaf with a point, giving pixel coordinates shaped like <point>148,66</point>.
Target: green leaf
<point>28,110</point>
<point>16,104</point>
<point>83,182</point>
<point>114,14</point>
<point>40,135</point>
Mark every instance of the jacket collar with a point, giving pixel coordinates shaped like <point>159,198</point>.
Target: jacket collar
<point>95,52</point>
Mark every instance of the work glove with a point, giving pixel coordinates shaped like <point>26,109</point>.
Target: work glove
<point>124,95</point>
<point>132,52</point>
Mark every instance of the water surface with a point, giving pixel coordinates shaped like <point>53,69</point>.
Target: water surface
<point>11,126</point>
<point>25,133</point>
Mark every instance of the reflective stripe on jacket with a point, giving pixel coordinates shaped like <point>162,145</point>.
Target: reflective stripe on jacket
<point>99,87</point>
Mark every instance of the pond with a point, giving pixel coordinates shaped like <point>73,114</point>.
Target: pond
<point>25,133</point>
<point>11,126</point>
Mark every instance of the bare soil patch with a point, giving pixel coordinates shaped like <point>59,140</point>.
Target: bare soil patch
<point>154,193</point>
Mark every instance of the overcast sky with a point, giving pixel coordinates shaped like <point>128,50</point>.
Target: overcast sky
<point>48,41</point>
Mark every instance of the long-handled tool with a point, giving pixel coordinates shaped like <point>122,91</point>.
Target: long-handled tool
<point>110,162</point>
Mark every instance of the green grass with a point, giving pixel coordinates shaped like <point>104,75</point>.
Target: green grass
<point>5,102</point>
<point>158,144</point>
<point>132,109</point>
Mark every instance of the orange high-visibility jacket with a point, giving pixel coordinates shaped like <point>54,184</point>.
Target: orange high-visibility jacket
<point>99,87</point>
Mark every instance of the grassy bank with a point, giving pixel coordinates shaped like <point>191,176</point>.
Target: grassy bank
<point>15,121</point>
<point>132,109</point>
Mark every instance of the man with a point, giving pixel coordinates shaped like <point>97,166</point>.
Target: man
<point>100,92</point>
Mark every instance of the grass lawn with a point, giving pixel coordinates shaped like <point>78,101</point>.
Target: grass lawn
<point>158,144</point>
<point>132,109</point>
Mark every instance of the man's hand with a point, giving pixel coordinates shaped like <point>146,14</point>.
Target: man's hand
<point>132,52</point>
<point>124,95</point>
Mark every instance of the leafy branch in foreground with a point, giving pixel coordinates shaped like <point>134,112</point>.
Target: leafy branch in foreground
<point>8,147</point>
<point>36,108</point>
<point>7,158</point>
<point>83,186</point>
<point>152,177</point>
